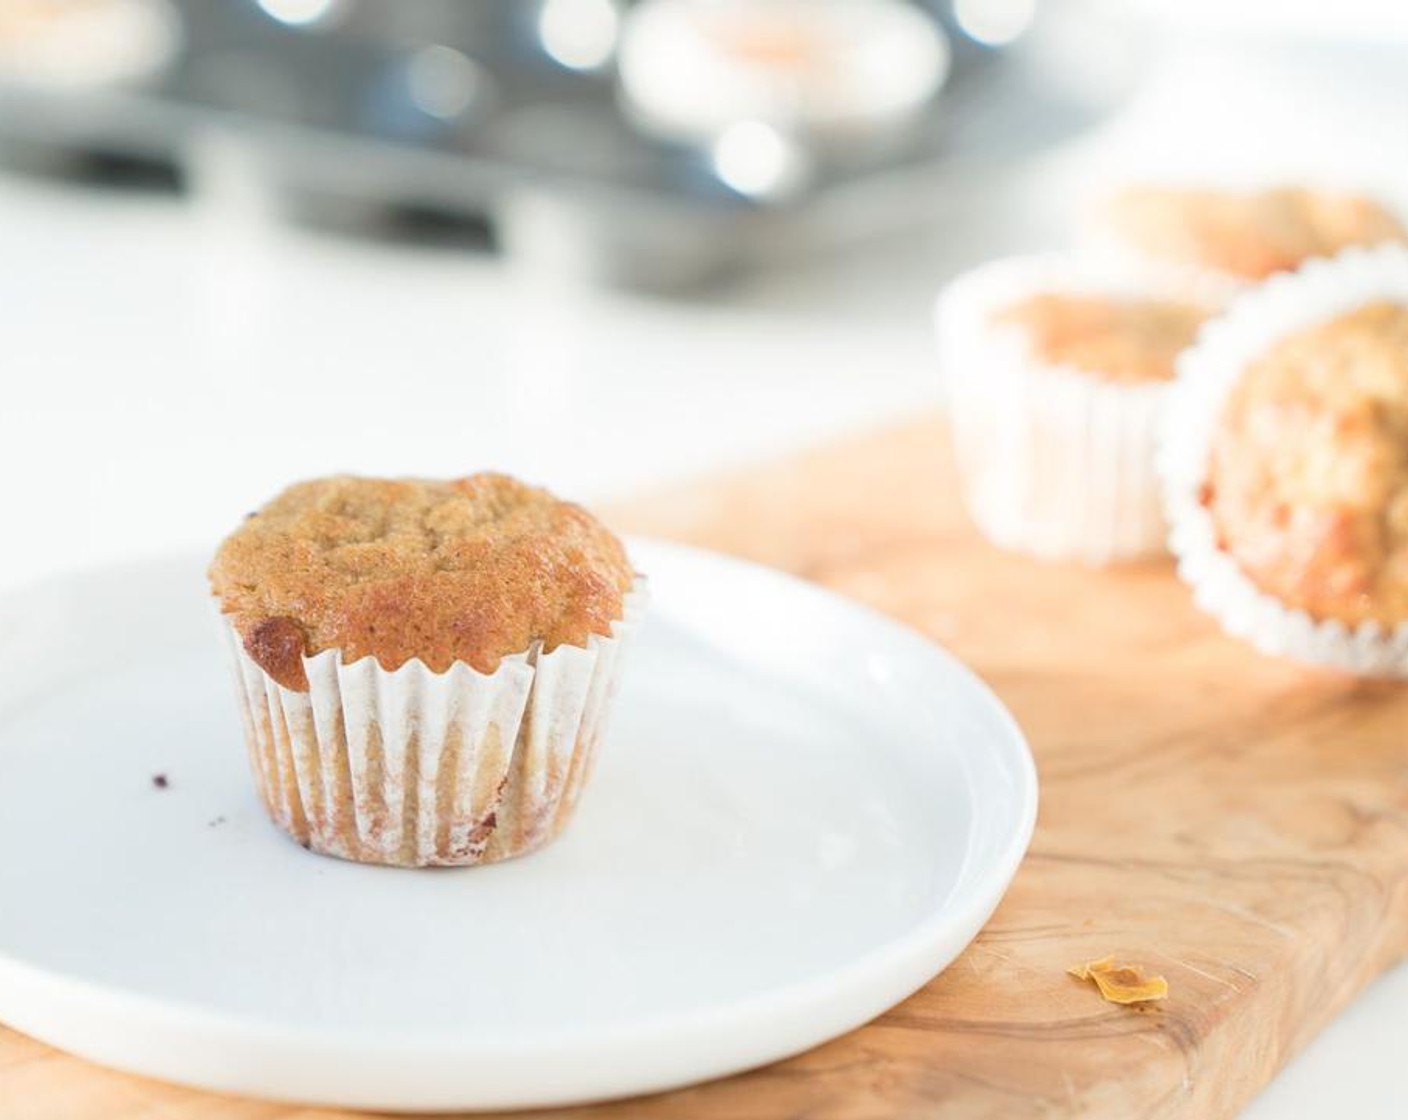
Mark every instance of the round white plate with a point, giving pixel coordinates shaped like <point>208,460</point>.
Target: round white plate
<point>802,813</point>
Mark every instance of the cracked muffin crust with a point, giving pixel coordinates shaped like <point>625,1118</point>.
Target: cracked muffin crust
<point>471,570</point>
<point>1307,481</point>
<point>1250,235</point>
<point>1113,338</point>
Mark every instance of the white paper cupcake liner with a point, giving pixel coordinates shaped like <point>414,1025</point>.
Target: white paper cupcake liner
<point>1053,462</point>
<point>1321,290</point>
<point>417,768</point>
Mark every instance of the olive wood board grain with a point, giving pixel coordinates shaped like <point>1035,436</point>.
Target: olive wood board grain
<point>1235,823</point>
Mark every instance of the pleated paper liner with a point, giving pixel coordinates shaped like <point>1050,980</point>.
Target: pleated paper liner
<point>1053,461</point>
<point>1321,290</point>
<point>416,768</point>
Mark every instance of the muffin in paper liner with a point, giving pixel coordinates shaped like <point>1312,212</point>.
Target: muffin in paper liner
<point>1319,291</point>
<point>1127,263</point>
<point>1206,284</point>
<point>1053,461</point>
<point>1211,287</point>
<point>416,768</point>
<point>62,46</point>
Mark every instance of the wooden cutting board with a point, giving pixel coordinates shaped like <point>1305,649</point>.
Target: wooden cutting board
<point>1234,823</point>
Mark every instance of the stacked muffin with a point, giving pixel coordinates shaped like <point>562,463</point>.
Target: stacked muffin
<point>1251,349</point>
<point>1227,242</point>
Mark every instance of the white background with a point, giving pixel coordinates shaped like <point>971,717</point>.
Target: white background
<point>167,365</point>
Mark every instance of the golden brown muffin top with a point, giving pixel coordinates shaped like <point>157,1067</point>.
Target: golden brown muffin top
<point>1308,478</point>
<point>470,570</point>
<point>1110,338</point>
<point>1250,235</point>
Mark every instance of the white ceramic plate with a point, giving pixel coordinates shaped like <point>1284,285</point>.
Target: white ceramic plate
<point>803,812</point>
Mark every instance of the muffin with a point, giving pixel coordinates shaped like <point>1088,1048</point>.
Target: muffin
<point>424,667</point>
<point>1286,464</point>
<point>1056,375</point>
<point>847,73</point>
<point>85,43</point>
<point>1218,243</point>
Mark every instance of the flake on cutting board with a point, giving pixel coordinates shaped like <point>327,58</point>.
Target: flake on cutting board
<point>1121,983</point>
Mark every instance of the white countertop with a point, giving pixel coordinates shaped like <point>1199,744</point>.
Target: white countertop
<point>168,366</point>
<point>164,371</point>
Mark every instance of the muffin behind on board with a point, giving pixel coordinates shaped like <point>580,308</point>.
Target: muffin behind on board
<point>1285,462</point>
<point>1216,244</point>
<point>1056,374</point>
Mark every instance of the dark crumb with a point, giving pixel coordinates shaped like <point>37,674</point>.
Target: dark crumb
<point>251,513</point>
<point>160,781</point>
<point>216,823</point>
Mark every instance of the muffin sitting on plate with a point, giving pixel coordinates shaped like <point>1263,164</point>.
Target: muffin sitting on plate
<point>424,667</point>
<point>1056,375</point>
<point>1217,243</point>
<point>1286,464</point>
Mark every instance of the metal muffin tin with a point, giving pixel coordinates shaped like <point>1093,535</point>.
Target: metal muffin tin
<point>331,125</point>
